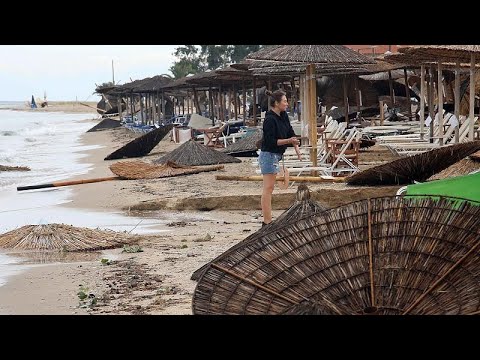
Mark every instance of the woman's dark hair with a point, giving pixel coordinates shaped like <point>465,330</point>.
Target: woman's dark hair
<point>275,96</point>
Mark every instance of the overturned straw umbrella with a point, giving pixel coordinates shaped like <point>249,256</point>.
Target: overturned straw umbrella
<point>475,156</point>
<point>61,237</point>
<point>246,146</point>
<point>14,168</point>
<point>462,167</point>
<point>105,124</point>
<point>191,153</point>
<point>303,206</point>
<point>414,168</point>
<point>141,170</point>
<point>142,145</point>
<point>384,256</point>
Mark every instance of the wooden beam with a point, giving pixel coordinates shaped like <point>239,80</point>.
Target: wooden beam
<point>312,93</point>
<point>431,100</point>
<point>254,101</point>
<point>244,98</point>
<point>345,97</point>
<point>422,100</point>
<point>196,103</point>
<point>210,105</point>
<point>457,101</point>
<point>390,84</point>
<point>407,94</point>
<point>142,113</point>
<point>440,103</point>
<point>234,91</point>
<point>357,92</point>
<point>294,97</point>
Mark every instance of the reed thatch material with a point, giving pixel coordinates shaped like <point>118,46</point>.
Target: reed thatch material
<point>329,54</point>
<point>385,256</point>
<point>105,124</point>
<point>191,153</point>
<point>61,237</point>
<point>132,170</point>
<point>414,168</point>
<point>246,146</point>
<point>142,145</point>
<point>442,52</point>
<point>303,206</point>
<point>462,167</point>
<point>475,156</point>
<point>307,307</point>
<point>14,168</point>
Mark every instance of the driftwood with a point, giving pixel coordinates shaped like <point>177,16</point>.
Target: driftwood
<point>142,145</point>
<point>14,168</point>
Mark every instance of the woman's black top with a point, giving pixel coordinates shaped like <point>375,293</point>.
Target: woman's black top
<point>276,127</point>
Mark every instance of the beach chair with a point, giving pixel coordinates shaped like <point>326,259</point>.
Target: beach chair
<point>214,136</point>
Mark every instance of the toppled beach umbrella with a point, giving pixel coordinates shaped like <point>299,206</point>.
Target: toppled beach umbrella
<point>246,146</point>
<point>14,168</point>
<point>191,153</point>
<point>63,237</point>
<point>142,145</point>
<point>382,256</point>
<point>414,168</point>
<point>462,167</point>
<point>142,170</point>
<point>106,124</point>
<point>303,206</point>
<point>475,156</point>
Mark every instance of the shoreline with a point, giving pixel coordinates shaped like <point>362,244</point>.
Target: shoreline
<point>205,217</point>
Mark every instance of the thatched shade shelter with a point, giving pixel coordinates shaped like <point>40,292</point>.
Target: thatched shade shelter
<point>61,237</point>
<point>303,206</point>
<point>246,146</point>
<point>418,167</point>
<point>142,145</point>
<point>105,124</point>
<point>141,170</point>
<point>191,153</point>
<point>385,256</point>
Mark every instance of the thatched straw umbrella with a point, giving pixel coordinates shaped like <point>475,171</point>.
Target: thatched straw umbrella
<point>414,168</point>
<point>462,167</point>
<point>385,256</point>
<point>105,124</point>
<point>246,146</point>
<point>61,237</point>
<point>191,153</point>
<point>475,156</point>
<point>132,170</point>
<point>303,206</point>
<point>142,145</point>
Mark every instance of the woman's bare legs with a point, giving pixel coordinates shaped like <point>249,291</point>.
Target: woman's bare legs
<point>268,185</point>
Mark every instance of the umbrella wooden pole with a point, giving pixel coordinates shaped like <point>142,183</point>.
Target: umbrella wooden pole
<point>472,98</point>
<point>457,101</point>
<point>422,101</point>
<point>66,183</point>
<point>313,179</point>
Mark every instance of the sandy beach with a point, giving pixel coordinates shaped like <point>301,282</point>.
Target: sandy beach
<point>203,218</point>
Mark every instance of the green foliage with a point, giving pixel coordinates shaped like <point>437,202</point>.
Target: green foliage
<point>105,261</point>
<point>132,248</point>
<point>193,59</point>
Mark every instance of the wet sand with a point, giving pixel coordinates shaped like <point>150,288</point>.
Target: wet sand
<point>205,218</point>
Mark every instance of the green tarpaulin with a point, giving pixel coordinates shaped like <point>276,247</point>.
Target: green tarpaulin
<point>466,187</point>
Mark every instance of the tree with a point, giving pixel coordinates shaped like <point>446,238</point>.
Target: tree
<point>193,59</point>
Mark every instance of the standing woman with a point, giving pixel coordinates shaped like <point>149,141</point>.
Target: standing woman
<point>277,135</point>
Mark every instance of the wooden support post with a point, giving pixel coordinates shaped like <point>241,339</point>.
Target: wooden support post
<point>142,113</point>
<point>195,102</point>
<point>431,102</point>
<point>293,99</point>
<point>357,92</point>
<point>390,84</point>
<point>440,103</point>
<point>382,113</point>
<point>254,101</point>
<point>345,97</point>
<point>234,91</point>
<point>407,94</point>
<point>457,101</point>
<point>472,98</point>
<point>312,95</point>
<point>164,115</point>
<point>244,101</point>
<point>211,109</point>
<point>119,107</point>
<point>422,101</point>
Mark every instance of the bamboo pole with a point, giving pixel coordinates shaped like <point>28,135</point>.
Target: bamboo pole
<point>422,100</point>
<point>313,179</point>
<point>66,183</point>
<point>457,101</point>
<point>472,98</point>
<point>440,103</point>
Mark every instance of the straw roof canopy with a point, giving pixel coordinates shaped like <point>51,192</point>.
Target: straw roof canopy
<point>142,145</point>
<point>141,170</point>
<point>246,145</point>
<point>150,84</point>
<point>414,168</point>
<point>475,156</point>
<point>462,167</point>
<point>415,61</point>
<point>443,52</point>
<point>385,256</point>
<point>303,206</point>
<point>191,153</point>
<point>105,124</point>
<point>325,54</point>
<point>61,237</point>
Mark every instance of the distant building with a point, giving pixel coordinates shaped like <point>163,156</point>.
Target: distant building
<point>374,50</point>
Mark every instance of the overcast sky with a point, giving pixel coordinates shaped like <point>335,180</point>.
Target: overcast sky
<point>69,71</point>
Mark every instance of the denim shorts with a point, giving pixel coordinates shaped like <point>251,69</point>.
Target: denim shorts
<point>268,162</point>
